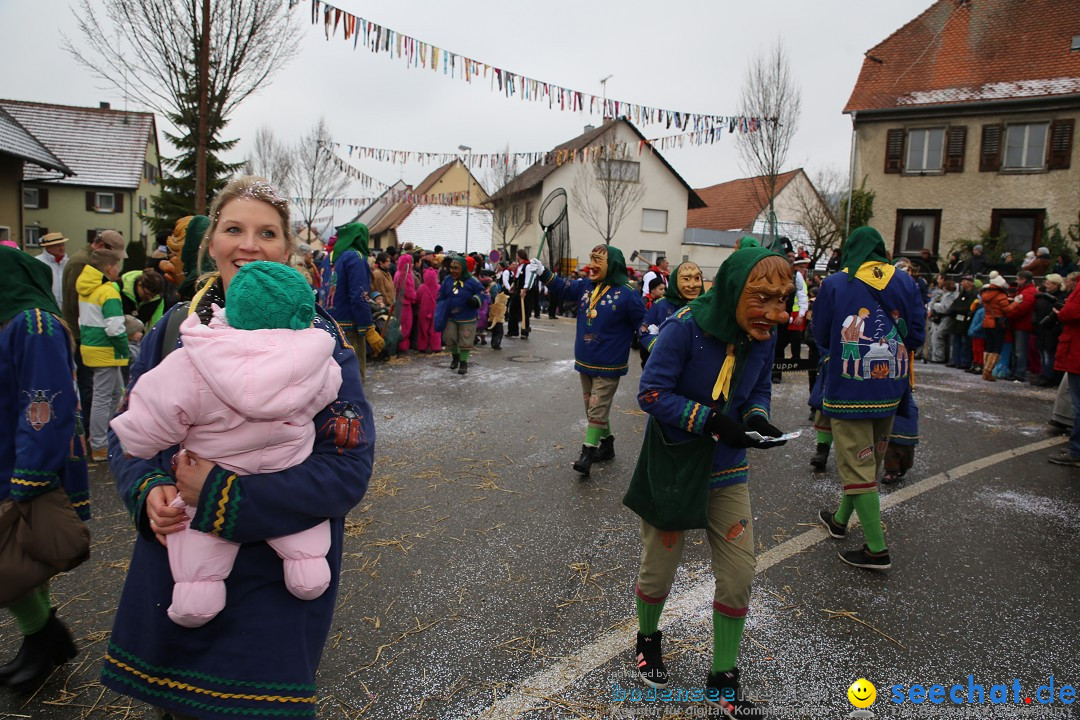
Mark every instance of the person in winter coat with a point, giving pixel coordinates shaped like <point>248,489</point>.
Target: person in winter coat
<point>710,375</point>
<point>1047,328</point>
<point>428,340</point>
<point>960,313</point>
<point>941,321</point>
<point>1019,315</point>
<point>404,298</point>
<point>141,295</point>
<point>688,285</point>
<point>977,333</point>
<point>868,314</point>
<point>995,301</point>
<point>609,313</point>
<point>41,446</point>
<point>459,301</point>
<point>1067,360</point>
<point>347,289</point>
<point>264,632</point>
<point>482,313</point>
<point>103,342</point>
<point>258,421</point>
<point>382,279</point>
<point>1040,266</point>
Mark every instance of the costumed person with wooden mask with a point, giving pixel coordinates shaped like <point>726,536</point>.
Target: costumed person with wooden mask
<point>41,448</point>
<point>686,287</point>
<point>348,288</point>
<point>456,311</point>
<point>867,317</point>
<point>707,389</point>
<point>609,314</point>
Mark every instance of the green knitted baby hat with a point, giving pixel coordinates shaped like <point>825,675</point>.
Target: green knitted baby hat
<point>266,295</point>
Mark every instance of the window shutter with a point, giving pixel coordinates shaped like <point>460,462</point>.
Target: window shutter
<point>990,159</point>
<point>43,198</point>
<point>955,140</point>
<point>90,235</point>
<point>118,202</point>
<point>91,205</point>
<point>1061,133</point>
<point>894,150</point>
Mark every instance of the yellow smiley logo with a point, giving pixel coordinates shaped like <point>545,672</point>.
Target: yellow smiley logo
<point>862,693</point>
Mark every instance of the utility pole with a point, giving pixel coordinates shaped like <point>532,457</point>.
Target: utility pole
<point>468,194</point>
<point>201,141</point>
<point>603,84</point>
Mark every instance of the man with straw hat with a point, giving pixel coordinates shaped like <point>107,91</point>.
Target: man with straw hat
<point>54,254</point>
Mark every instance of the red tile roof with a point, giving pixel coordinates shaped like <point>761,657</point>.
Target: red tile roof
<point>736,204</point>
<point>973,50</point>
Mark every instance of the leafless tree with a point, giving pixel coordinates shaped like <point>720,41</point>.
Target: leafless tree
<point>818,208</point>
<point>770,95</point>
<point>270,158</point>
<point>504,229</point>
<point>317,181</point>
<point>607,190</point>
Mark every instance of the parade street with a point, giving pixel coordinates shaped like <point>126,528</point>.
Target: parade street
<point>483,578</point>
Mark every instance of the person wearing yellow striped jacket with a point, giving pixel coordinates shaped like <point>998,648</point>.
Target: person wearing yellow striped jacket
<point>103,342</point>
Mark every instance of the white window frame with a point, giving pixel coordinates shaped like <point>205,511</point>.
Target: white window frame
<point>5,232</point>
<point>102,207</point>
<point>654,227</point>
<point>31,236</point>
<point>922,164</point>
<point>36,193</point>
<point>619,170</point>
<point>1038,159</point>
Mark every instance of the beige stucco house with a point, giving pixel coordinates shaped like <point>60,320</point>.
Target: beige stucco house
<point>652,226</point>
<point>114,172</point>
<point>965,121</point>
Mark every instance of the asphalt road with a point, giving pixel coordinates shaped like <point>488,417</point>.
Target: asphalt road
<point>484,579</point>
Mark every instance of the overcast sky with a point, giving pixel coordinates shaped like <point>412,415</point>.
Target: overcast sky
<point>683,56</point>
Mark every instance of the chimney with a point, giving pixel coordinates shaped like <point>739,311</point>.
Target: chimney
<point>104,106</point>
<point>590,128</point>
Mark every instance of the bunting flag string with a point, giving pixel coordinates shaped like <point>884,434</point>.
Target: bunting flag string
<point>335,202</point>
<point>504,159</point>
<point>419,54</point>
<point>396,195</point>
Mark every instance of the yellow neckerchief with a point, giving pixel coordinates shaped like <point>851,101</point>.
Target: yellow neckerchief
<point>597,293</point>
<point>723,380</point>
<point>200,292</point>
<point>875,274</point>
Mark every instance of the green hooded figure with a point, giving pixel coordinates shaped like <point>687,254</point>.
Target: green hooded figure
<point>352,236</point>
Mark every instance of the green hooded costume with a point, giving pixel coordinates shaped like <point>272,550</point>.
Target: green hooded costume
<point>352,236</point>
<point>864,245</point>
<point>672,293</point>
<point>27,285</point>
<point>616,268</point>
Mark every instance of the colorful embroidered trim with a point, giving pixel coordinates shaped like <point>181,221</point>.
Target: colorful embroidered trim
<point>756,410</point>
<point>850,406</point>
<point>579,366</point>
<point>693,417</point>
<point>218,515</point>
<point>731,476</point>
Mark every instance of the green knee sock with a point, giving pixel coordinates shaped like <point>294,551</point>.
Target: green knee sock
<point>465,355</point>
<point>843,513</point>
<point>606,432</point>
<point>824,437</point>
<point>593,435</point>
<point>32,610</point>
<point>648,616</point>
<point>868,505</point>
<point>727,634</point>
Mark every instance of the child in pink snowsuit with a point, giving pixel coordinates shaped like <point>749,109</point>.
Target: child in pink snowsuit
<point>242,391</point>
<point>405,296</point>
<point>427,340</point>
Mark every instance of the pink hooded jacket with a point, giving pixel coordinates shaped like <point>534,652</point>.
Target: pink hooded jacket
<point>242,398</point>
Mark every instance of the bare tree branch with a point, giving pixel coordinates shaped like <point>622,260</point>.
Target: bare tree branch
<point>270,158</point>
<point>769,92</point>
<point>317,181</point>
<point>505,230</point>
<point>818,205</point>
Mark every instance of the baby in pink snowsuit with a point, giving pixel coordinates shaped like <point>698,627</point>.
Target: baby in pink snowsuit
<point>242,391</point>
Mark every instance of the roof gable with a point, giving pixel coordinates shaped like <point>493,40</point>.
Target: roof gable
<point>973,50</point>
<point>18,141</point>
<point>734,205</point>
<point>397,214</point>
<point>535,174</point>
<point>104,148</point>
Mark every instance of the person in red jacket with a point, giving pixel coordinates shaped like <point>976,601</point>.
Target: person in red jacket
<point>1067,360</point>
<point>1019,315</point>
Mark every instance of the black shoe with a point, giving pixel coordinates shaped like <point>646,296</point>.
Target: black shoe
<point>820,457</point>
<point>496,347</point>
<point>454,362</point>
<point>863,558</point>
<point>828,519</point>
<point>588,456</point>
<point>650,660</point>
<point>722,691</point>
<point>892,477</point>
<point>1065,458</point>
<point>464,368</point>
<point>40,653</point>
<point>606,451</point>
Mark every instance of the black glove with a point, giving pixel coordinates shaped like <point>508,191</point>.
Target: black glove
<point>760,425</point>
<point>729,430</point>
<point>474,301</point>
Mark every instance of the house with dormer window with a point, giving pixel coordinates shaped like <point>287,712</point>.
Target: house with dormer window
<point>965,120</point>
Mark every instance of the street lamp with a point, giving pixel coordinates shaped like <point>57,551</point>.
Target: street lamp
<point>468,195</point>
